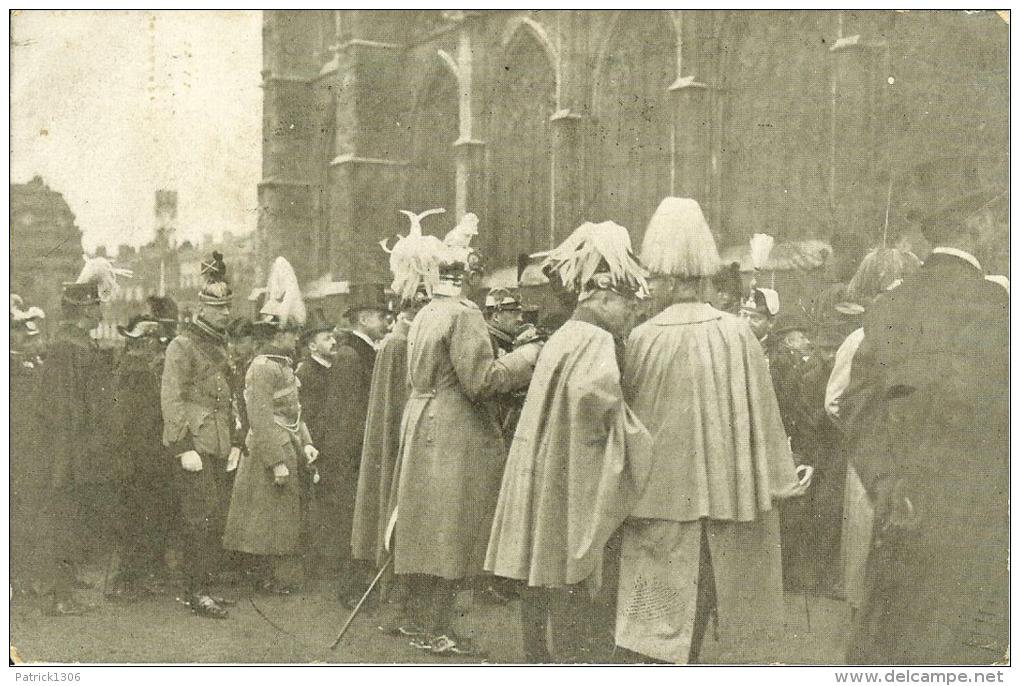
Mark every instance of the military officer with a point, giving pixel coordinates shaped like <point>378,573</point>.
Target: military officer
<point>200,430</point>
<point>266,508</point>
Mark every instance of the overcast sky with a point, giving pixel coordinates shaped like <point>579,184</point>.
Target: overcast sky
<point>109,106</point>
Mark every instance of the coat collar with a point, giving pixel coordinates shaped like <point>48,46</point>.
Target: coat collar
<point>686,313</point>
<point>321,361</point>
<point>203,331</point>
<point>364,338</point>
<point>961,254</point>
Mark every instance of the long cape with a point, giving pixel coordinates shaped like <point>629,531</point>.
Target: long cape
<point>699,381</point>
<point>576,466</point>
<point>376,483</point>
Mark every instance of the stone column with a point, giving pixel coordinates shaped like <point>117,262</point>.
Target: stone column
<point>568,175</point>
<point>286,192</point>
<point>570,165</point>
<point>368,169</point>
<point>472,191</point>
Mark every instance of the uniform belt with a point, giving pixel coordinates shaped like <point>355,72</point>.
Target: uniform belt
<point>422,395</point>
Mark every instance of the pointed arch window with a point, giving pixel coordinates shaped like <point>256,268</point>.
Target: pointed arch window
<point>520,151</point>
<point>434,129</point>
<point>632,120</point>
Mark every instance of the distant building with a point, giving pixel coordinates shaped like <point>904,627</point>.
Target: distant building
<point>165,267</point>
<point>46,248</point>
<point>787,123</point>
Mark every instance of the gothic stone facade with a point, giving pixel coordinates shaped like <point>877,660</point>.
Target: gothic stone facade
<point>789,123</point>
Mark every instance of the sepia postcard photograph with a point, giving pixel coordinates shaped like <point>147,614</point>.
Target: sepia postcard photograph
<point>510,337</point>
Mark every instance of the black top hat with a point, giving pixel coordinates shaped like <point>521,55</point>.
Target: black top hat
<point>351,313</point>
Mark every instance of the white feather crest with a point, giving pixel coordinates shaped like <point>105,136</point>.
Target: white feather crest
<point>416,218</point>
<point>678,240</point>
<point>415,258</point>
<point>578,258</point>
<point>283,294</point>
<point>100,271</point>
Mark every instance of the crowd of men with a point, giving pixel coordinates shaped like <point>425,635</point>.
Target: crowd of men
<point>671,454</point>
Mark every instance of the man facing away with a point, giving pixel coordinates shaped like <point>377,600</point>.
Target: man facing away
<point>452,452</point>
<point>934,451</point>
<point>579,458</point>
<point>704,538</point>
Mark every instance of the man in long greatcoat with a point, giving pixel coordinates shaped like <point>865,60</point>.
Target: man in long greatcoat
<point>704,538</point>
<point>934,453</point>
<point>319,395</point>
<point>267,503</point>
<point>452,451</point>
<point>146,511</point>
<point>351,377</point>
<point>78,378</point>
<point>27,433</point>
<point>579,457</point>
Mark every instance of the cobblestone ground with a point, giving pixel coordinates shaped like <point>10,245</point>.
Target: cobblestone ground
<point>164,631</point>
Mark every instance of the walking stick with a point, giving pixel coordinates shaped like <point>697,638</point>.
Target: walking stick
<point>357,608</point>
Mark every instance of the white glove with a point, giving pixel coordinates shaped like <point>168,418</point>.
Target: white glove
<point>233,458</point>
<point>191,461</point>
<point>806,472</point>
<point>311,454</point>
<point>280,474</point>
<point>528,334</point>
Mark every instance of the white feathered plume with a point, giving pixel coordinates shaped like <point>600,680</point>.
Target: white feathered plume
<point>283,294</point>
<point>678,241</point>
<point>415,258</point>
<point>101,271</point>
<point>458,240</point>
<point>591,246</point>
<point>460,236</point>
<point>761,248</point>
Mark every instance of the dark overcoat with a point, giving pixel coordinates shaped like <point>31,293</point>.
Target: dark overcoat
<point>935,463</point>
<point>27,456</point>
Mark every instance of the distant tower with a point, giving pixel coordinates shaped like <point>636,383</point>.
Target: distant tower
<point>166,219</point>
<point>166,242</point>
